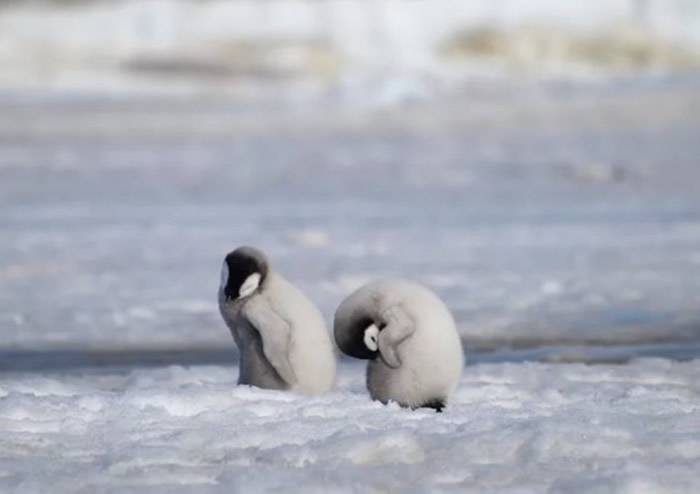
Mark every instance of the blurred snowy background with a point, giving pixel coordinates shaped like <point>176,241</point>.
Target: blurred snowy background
<point>534,162</point>
<point>392,48</point>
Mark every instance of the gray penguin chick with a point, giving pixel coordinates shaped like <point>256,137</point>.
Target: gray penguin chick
<point>281,336</point>
<point>410,339</point>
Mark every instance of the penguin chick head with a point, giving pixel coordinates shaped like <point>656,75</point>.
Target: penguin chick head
<point>243,272</point>
<point>360,339</point>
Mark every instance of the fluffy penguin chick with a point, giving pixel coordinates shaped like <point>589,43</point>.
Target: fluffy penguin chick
<point>281,337</point>
<point>410,339</point>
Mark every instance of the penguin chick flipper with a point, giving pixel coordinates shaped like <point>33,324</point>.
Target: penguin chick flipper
<point>398,327</point>
<point>275,333</point>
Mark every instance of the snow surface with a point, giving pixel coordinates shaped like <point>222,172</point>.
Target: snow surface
<point>511,428</point>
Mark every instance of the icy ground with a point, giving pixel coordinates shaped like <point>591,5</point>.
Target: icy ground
<point>511,428</point>
<point>546,215</point>
<point>560,223</point>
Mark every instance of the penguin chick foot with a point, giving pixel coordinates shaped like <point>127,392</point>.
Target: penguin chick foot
<point>437,405</point>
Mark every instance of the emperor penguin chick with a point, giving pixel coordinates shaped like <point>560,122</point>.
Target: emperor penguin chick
<point>410,339</point>
<point>281,336</point>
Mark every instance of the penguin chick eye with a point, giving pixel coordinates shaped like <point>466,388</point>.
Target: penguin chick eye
<point>371,336</point>
<point>250,284</point>
<point>224,275</point>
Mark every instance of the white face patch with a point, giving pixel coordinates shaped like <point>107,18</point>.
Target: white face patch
<point>224,275</point>
<point>371,337</point>
<point>250,284</point>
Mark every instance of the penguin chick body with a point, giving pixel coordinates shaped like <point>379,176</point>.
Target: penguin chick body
<point>410,339</point>
<point>281,336</point>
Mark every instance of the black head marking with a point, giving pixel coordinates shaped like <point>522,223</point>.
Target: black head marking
<point>241,263</point>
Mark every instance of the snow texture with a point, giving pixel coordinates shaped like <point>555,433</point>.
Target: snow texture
<point>511,428</point>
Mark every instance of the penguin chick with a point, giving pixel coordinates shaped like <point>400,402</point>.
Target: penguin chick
<point>410,339</point>
<point>281,336</point>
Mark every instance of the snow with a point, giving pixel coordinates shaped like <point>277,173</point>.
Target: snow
<point>511,428</point>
